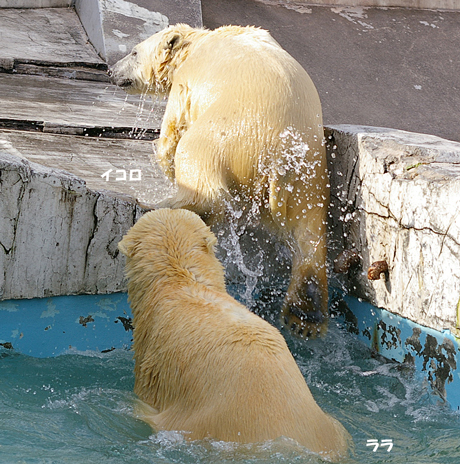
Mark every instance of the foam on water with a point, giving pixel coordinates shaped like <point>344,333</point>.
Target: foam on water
<point>79,408</point>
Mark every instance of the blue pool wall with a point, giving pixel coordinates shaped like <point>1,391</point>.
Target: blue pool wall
<point>434,354</point>
<point>46,327</point>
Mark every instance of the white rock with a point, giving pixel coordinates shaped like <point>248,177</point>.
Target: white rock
<point>58,237</point>
<point>404,192</point>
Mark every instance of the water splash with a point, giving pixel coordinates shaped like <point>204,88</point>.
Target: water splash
<point>139,112</point>
<point>237,226</point>
<point>156,99</point>
<point>255,257</point>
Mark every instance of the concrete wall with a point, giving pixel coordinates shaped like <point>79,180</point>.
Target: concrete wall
<point>395,198</point>
<point>90,16</point>
<point>114,27</point>
<point>58,237</point>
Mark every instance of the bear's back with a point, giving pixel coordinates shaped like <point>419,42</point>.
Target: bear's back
<point>242,67</point>
<point>232,376</point>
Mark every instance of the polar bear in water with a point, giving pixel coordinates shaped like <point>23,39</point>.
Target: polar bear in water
<point>205,364</point>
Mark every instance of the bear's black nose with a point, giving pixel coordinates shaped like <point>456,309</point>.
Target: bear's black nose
<point>109,72</point>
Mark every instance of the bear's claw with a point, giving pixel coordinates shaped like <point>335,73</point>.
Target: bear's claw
<point>307,325</point>
<point>312,317</point>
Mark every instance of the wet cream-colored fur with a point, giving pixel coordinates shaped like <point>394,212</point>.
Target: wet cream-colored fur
<point>204,363</point>
<point>243,117</point>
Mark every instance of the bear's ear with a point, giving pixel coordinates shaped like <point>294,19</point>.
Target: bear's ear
<point>172,42</point>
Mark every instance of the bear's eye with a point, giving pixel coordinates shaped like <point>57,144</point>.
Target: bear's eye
<point>134,53</point>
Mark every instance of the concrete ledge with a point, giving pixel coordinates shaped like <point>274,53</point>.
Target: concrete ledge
<point>395,197</point>
<point>59,231</point>
<point>57,236</point>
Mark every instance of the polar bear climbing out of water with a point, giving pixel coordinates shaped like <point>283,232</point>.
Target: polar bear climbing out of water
<point>204,364</point>
<point>243,118</point>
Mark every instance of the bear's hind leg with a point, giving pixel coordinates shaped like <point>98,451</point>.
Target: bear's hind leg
<point>199,176</point>
<point>305,307</point>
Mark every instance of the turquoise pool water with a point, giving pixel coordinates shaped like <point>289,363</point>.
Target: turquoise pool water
<point>78,408</point>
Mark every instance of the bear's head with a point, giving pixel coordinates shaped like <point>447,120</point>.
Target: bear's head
<point>150,65</point>
<point>175,244</point>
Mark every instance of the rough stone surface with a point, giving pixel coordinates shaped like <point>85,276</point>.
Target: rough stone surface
<point>74,103</point>
<point>122,166</point>
<point>58,237</point>
<point>396,197</point>
<point>114,27</point>
<point>38,35</point>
